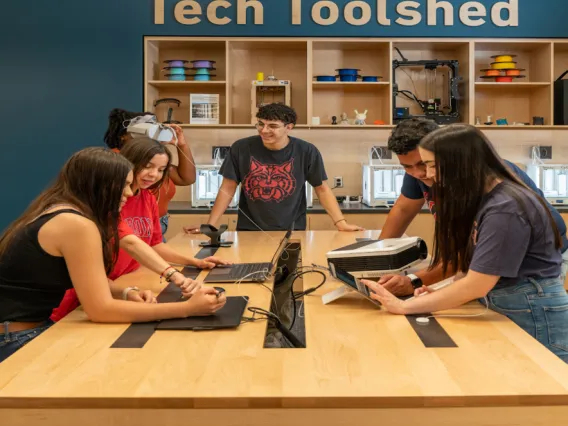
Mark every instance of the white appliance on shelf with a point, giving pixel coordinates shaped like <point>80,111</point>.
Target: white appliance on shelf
<point>382,184</point>
<point>552,179</point>
<point>309,195</point>
<point>206,187</point>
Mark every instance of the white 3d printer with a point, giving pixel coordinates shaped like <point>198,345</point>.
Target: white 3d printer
<point>552,180</point>
<point>381,184</point>
<point>206,187</point>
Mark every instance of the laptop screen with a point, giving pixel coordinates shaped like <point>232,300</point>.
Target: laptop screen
<point>280,248</point>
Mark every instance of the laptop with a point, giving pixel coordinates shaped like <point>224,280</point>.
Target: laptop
<point>229,316</point>
<point>248,272</point>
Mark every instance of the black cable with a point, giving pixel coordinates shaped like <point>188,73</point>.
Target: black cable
<point>285,332</point>
<point>401,55</point>
<point>413,98</point>
<point>296,296</point>
<point>294,305</point>
<point>310,290</point>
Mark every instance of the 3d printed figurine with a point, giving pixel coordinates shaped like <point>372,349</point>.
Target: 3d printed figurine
<point>360,117</point>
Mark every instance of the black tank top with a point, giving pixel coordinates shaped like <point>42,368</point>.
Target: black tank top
<point>32,282</point>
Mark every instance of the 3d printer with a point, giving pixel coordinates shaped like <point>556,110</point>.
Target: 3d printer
<point>382,184</point>
<point>432,107</point>
<point>206,187</point>
<point>552,179</point>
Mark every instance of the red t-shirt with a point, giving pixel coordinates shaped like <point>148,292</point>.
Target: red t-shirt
<point>140,213</point>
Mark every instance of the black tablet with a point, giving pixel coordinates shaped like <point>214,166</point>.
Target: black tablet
<point>229,316</point>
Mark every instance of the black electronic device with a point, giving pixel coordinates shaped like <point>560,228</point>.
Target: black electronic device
<point>432,107</point>
<point>561,100</point>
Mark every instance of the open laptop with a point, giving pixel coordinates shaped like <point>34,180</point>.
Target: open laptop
<point>229,316</point>
<point>248,272</point>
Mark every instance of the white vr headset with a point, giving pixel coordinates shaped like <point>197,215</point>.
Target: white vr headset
<point>148,126</point>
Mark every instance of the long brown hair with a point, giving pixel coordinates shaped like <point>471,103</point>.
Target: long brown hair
<point>140,152</point>
<point>465,162</point>
<point>92,180</point>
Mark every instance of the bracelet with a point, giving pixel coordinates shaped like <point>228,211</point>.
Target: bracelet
<point>169,276</point>
<point>340,220</point>
<point>164,271</point>
<point>127,290</point>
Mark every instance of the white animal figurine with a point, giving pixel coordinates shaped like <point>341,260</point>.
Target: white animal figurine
<point>360,118</point>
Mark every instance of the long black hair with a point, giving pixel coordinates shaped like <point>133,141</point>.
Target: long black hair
<point>92,180</point>
<point>117,119</point>
<point>466,161</point>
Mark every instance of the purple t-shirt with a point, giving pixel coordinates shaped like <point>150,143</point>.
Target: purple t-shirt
<point>512,237</point>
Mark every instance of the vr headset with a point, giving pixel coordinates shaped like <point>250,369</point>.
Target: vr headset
<point>148,126</point>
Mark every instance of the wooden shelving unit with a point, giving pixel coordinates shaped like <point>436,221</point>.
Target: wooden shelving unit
<point>238,60</point>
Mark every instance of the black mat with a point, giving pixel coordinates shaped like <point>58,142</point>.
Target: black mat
<point>431,333</point>
<point>138,334</point>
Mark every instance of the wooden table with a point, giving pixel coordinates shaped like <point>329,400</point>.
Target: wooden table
<point>362,366</point>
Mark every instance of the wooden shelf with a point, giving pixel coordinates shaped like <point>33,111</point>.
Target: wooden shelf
<point>298,126</point>
<point>353,127</point>
<point>513,85</point>
<point>299,59</point>
<point>531,127</point>
<point>345,84</point>
<point>163,84</point>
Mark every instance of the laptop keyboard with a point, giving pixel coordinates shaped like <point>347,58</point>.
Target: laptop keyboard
<point>244,269</point>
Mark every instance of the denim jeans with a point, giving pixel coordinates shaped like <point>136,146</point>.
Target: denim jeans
<point>11,342</point>
<point>564,266</point>
<point>164,221</point>
<point>540,307</point>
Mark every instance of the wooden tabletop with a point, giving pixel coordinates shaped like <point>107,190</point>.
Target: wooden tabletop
<point>357,356</point>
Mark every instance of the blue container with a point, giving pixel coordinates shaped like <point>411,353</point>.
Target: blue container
<point>325,78</point>
<point>176,77</point>
<point>202,77</point>
<point>177,71</point>
<point>371,78</point>
<point>349,78</point>
<point>347,71</point>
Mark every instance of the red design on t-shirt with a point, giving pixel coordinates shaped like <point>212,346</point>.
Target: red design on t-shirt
<point>269,182</point>
<point>431,203</point>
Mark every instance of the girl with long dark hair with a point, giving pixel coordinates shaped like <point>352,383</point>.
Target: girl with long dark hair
<point>497,232</point>
<point>68,238</point>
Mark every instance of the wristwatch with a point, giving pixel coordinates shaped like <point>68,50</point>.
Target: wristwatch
<point>415,281</point>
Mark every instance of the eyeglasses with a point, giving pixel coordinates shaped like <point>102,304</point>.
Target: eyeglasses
<point>270,127</point>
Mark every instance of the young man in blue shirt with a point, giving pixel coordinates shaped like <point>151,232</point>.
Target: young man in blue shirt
<point>417,190</point>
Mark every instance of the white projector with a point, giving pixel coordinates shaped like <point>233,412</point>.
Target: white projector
<point>155,131</point>
<point>373,258</point>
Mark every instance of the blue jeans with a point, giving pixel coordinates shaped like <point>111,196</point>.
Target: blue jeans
<point>164,221</point>
<point>11,342</point>
<point>540,307</point>
<point>564,266</point>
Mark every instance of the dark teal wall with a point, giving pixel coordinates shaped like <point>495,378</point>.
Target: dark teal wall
<point>65,63</point>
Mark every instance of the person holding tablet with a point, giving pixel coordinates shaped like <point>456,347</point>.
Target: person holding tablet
<point>494,230</point>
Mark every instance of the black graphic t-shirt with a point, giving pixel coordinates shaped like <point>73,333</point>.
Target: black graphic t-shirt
<point>273,183</point>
